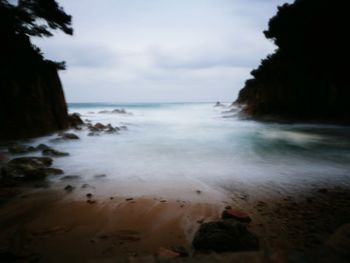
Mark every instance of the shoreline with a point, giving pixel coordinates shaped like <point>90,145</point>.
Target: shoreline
<point>64,217</point>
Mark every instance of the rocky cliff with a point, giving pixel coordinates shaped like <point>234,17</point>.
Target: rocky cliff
<point>306,78</point>
<point>32,101</point>
<point>32,104</point>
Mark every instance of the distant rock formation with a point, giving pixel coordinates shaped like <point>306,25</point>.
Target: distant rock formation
<point>306,79</point>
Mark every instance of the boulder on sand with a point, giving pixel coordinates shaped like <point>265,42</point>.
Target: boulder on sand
<point>223,236</point>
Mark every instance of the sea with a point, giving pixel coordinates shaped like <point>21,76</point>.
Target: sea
<point>175,150</point>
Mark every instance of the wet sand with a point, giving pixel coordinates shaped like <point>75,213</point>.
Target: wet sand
<point>55,226</point>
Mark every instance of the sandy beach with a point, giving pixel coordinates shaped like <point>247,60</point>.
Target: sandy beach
<point>54,225</point>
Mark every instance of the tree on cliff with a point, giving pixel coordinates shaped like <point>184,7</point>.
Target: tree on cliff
<point>29,18</point>
<point>306,78</point>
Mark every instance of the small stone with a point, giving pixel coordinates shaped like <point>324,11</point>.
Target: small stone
<point>163,201</point>
<point>99,126</point>
<point>228,207</point>
<point>69,136</point>
<point>90,201</point>
<point>129,199</point>
<point>69,188</point>
<point>54,171</point>
<point>70,177</point>
<point>89,195</point>
<point>198,191</point>
<point>93,134</point>
<point>54,153</point>
<point>100,176</point>
<point>84,186</point>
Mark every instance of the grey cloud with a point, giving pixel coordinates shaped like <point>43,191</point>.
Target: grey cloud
<point>151,50</point>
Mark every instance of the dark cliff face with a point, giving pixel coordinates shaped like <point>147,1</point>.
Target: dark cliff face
<point>306,78</point>
<point>32,104</point>
<point>32,101</point>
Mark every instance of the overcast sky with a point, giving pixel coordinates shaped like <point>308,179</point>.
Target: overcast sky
<point>160,50</point>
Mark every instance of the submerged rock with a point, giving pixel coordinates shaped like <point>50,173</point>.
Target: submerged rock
<point>117,111</point>
<point>219,104</point>
<point>100,176</point>
<point>53,152</point>
<point>70,177</point>
<point>121,111</point>
<point>69,136</point>
<point>54,171</point>
<point>93,134</point>
<point>224,235</point>
<point>42,147</point>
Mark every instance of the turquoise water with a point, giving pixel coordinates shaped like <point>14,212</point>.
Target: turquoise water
<point>176,148</point>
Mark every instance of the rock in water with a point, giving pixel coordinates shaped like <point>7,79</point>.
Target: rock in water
<point>74,120</point>
<point>42,147</point>
<point>26,168</point>
<point>54,153</point>
<point>35,161</point>
<point>224,235</point>
<point>20,149</point>
<point>69,136</point>
<point>99,126</point>
<point>70,177</point>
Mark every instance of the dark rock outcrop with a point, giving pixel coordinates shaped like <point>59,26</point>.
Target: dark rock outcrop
<point>32,105</point>
<point>306,78</point>
<point>32,101</point>
<point>224,235</point>
<point>27,169</point>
